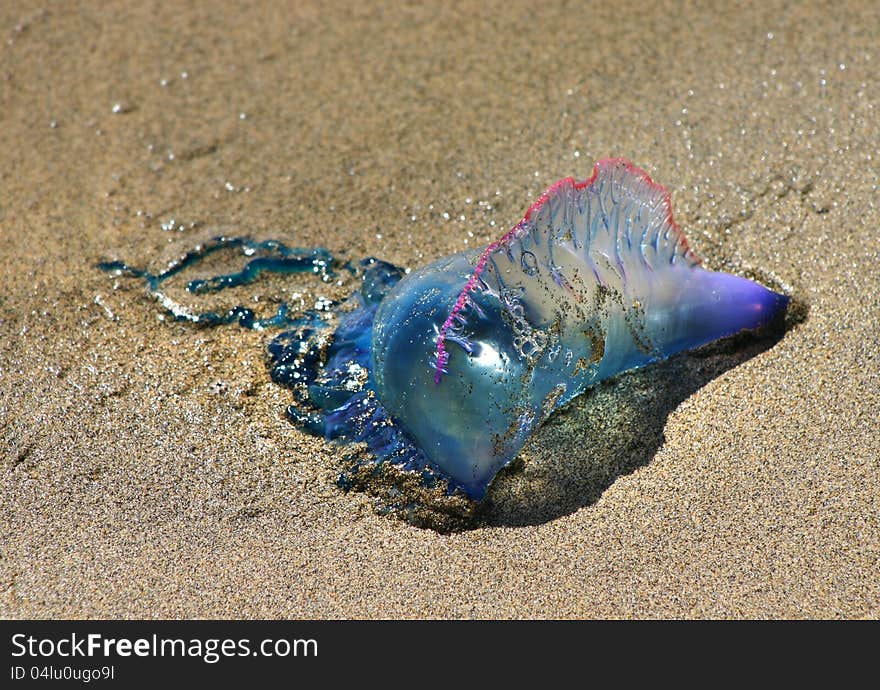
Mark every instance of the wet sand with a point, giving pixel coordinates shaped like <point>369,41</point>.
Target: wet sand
<point>147,468</point>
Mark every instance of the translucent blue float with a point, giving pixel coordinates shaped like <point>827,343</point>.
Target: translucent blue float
<point>446,372</point>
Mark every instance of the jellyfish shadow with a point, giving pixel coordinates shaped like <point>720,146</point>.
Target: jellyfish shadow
<point>611,431</point>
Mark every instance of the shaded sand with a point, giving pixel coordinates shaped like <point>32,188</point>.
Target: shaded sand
<point>147,469</point>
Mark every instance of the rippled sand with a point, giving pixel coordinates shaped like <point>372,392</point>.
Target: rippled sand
<point>147,467</point>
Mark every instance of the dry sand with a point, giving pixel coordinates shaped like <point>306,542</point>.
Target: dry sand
<point>744,481</point>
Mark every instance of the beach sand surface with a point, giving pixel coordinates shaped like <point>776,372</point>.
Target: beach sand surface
<point>147,466</point>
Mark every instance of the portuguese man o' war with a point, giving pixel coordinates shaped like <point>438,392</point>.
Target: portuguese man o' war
<point>447,371</point>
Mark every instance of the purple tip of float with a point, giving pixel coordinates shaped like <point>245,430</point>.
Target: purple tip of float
<point>743,303</point>
<point>717,305</point>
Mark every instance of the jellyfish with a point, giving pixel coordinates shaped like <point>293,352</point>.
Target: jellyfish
<point>448,370</point>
